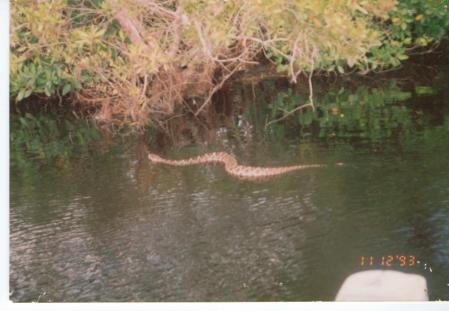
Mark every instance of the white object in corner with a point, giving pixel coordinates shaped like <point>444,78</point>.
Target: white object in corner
<point>383,285</point>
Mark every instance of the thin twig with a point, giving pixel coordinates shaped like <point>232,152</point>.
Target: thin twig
<point>288,114</point>
<point>215,89</point>
<point>311,85</point>
<point>144,89</point>
<point>310,103</point>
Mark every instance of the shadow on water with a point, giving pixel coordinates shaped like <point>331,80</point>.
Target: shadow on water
<point>109,226</point>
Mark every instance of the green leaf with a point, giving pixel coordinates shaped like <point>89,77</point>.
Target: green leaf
<point>47,91</point>
<point>21,95</point>
<point>27,93</point>
<point>66,89</point>
<point>424,90</point>
<point>281,68</point>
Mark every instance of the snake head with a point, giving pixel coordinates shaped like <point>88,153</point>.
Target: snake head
<point>154,157</point>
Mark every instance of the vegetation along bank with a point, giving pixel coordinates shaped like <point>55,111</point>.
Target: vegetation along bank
<point>137,63</point>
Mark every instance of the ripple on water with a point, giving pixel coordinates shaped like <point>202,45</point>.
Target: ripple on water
<point>197,234</point>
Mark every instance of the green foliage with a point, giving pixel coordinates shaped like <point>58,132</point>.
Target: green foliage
<point>51,40</point>
<point>424,90</point>
<point>145,60</point>
<point>307,35</point>
<point>57,46</point>
<point>42,78</point>
<point>410,25</point>
<point>283,103</point>
<point>369,113</point>
<point>48,137</point>
<point>413,24</point>
<point>419,22</point>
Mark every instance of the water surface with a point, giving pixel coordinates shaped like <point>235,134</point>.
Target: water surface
<point>110,226</point>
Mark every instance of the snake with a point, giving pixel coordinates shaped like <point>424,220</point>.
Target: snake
<point>232,167</point>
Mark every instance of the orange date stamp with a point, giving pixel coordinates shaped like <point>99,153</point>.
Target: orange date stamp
<point>388,261</point>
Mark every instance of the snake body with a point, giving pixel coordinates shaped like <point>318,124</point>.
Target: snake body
<point>231,165</point>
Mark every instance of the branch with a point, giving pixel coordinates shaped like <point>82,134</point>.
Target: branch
<point>311,85</point>
<point>206,48</point>
<point>310,103</point>
<point>132,27</point>
<point>158,9</point>
<point>217,87</point>
<point>288,114</point>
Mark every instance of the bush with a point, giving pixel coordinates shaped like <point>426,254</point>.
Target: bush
<point>412,25</point>
<point>137,61</point>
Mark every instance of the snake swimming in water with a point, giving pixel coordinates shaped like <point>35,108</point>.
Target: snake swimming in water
<point>232,167</point>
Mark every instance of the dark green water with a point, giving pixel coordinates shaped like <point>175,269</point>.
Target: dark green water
<point>109,226</point>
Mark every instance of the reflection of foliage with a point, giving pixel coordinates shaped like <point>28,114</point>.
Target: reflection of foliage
<point>369,113</point>
<point>374,114</point>
<point>430,138</point>
<point>45,138</point>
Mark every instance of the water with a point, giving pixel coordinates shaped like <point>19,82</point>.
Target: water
<point>110,226</point>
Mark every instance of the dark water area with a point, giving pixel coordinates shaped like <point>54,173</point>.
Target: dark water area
<point>110,226</point>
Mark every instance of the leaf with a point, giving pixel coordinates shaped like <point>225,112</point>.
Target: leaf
<point>23,121</point>
<point>27,93</point>
<point>21,95</point>
<point>424,90</point>
<point>66,89</point>
<point>47,91</point>
<point>281,68</point>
